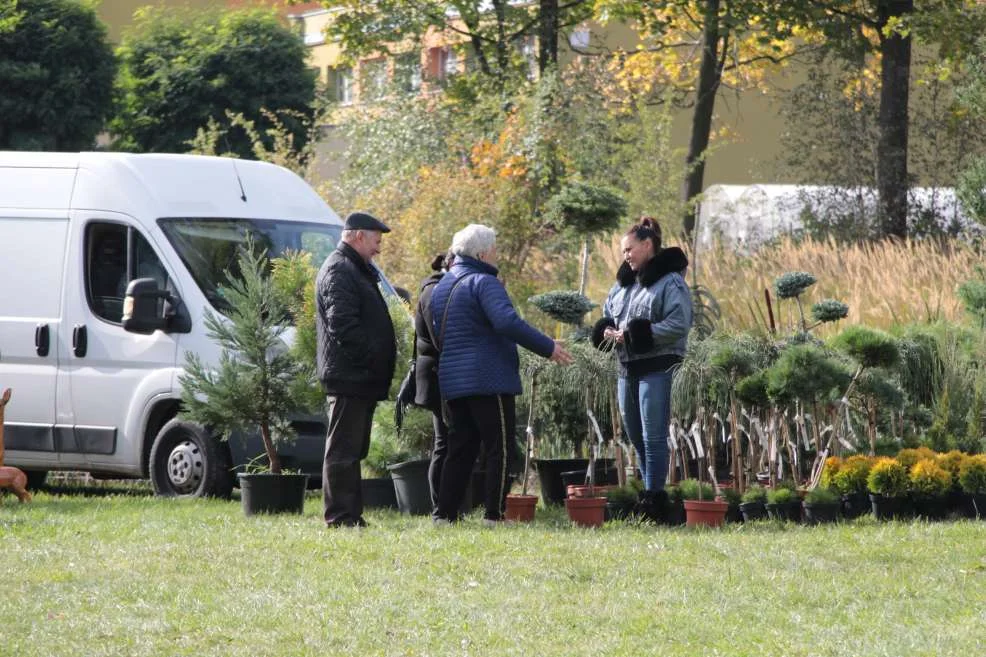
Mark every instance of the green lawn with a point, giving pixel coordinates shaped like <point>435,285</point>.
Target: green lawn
<point>134,575</point>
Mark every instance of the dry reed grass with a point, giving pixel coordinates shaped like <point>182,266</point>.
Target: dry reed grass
<point>884,283</point>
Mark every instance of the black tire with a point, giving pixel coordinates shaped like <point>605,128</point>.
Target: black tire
<point>188,461</point>
<point>36,478</point>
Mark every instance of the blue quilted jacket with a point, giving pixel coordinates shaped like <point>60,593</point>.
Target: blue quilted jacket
<point>481,333</point>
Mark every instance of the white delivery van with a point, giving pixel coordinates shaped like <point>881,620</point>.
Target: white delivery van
<point>90,391</point>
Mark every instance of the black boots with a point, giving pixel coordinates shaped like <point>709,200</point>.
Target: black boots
<point>654,505</point>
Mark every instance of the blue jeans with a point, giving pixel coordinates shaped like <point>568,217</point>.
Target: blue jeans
<point>645,404</point>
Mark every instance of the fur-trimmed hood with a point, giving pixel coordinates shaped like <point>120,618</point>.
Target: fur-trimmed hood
<point>668,261</point>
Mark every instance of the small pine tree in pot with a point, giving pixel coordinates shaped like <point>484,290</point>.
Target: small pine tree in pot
<point>253,386</point>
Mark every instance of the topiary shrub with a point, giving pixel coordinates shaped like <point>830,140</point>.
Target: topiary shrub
<point>752,390</point>
<point>805,373</point>
<point>869,347</point>
<point>822,495</point>
<point>693,489</point>
<point>829,470</point>
<point>909,456</point>
<point>755,493</point>
<point>851,476</point>
<point>563,306</point>
<point>585,208</point>
<point>888,478</point>
<point>792,284</point>
<point>829,310</point>
<point>781,496</point>
<point>972,474</point>
<point>952,462</point>
<point>928,479</point>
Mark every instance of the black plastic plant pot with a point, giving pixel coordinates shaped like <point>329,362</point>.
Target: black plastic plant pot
<point>550,475</point>
<point>855,505</point>
<point>818,513</point>
<point>885,508</point>
<point>931,508</point>
<point>265,493</point>
<point>411,486</point>
<point>753,511</point>
<point>378,493</point>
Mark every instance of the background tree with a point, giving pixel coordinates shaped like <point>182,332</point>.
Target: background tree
<point>490,31</point>
<point>181,69</point>
<point>885,31</point>
<point>831,141</point>
<point>698,48</point>
<point>56,75</point>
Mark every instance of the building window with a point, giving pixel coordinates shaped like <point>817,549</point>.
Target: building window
<point>527,48</point>
<point>372,79</point>
<point>407,72</point>
<point>580,38</point>
<point>450,63</point>
<point>341,84</point>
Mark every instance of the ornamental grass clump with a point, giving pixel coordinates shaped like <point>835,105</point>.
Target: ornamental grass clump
<point>888,478</point>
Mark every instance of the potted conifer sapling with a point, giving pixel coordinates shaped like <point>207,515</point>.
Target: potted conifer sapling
<point>253,386</point>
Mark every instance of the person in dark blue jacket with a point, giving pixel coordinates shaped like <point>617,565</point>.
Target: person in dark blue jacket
<point>478,330</point>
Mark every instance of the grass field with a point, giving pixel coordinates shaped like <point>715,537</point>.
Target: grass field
<point>119,574</point>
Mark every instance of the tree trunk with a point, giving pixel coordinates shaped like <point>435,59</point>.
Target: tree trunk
<point>710,75</point>
<point>548,35</point>
<point>275,461</point>
<point>584,267</point>
<point>502,52</point>
<point>891,168</point>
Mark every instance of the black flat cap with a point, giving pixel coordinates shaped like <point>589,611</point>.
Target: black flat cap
<point>365,221</point>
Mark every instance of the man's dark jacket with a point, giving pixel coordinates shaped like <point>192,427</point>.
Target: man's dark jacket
<point>356,347</point>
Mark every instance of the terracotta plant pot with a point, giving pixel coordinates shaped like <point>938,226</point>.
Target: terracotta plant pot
<point>587,491</point>
<point>586,511</point>
<point>711,513</point>
<point>521,507</point>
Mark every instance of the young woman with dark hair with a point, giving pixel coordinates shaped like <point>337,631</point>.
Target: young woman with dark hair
<point>646,317</point>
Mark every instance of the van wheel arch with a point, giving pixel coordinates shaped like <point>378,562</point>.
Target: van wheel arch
<point>188,460</point>
<point>161,414</point>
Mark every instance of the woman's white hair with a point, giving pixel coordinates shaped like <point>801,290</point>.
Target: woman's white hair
<point>473,240</point>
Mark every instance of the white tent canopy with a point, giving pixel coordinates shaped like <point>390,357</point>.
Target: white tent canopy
<point>747,215</point>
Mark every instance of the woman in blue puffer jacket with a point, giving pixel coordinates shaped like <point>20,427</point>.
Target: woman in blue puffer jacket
<point>477,331</point>
<point>647,316</point>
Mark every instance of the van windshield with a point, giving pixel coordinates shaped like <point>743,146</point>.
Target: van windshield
<point>209,247</point>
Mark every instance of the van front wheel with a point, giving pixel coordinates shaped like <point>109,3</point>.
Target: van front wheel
<point>187,461</point>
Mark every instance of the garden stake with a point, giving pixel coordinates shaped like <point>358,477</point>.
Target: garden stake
<point>530,432</point>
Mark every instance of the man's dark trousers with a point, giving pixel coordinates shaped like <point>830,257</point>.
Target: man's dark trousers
<point>347,443</point>
<point>486,421</point>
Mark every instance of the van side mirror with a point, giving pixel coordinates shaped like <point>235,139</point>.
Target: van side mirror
<point>140,306</point>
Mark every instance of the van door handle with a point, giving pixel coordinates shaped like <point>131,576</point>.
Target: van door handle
<point>41,342</point>
<point>80,341</point>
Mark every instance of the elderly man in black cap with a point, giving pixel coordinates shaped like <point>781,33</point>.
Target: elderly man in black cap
<point>356,355</point>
